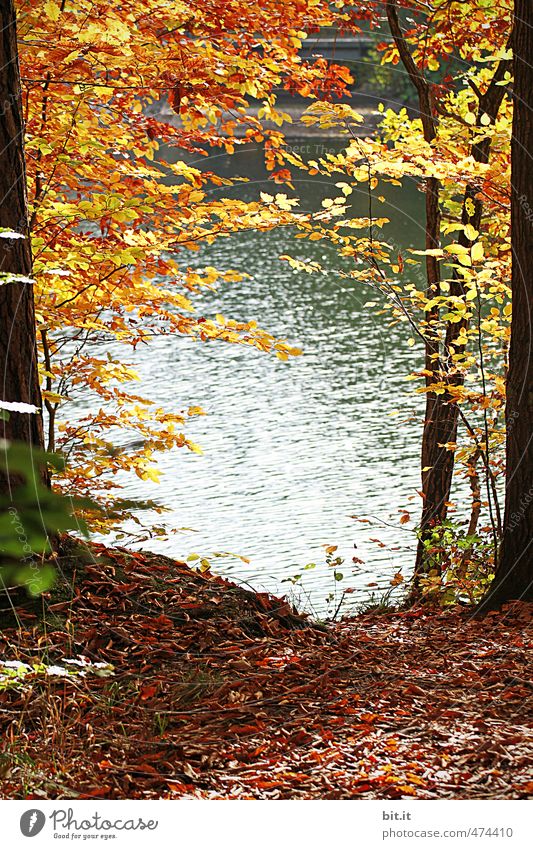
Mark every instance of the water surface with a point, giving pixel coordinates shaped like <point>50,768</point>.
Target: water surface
<point>292,450</point>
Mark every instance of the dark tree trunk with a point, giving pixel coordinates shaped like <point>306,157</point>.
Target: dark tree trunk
<point>18,352</point>
<point>514,574</point>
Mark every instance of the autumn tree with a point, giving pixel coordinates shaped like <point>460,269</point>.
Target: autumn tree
<point>514,575</point>
<point>457,149</point>
<point>436,462</point>
<point>443,412</point>
<point>115,229</point>
<point>18,353</point>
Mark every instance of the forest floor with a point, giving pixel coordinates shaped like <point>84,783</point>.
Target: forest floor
<point>207,690</point>
<point>294,129</point>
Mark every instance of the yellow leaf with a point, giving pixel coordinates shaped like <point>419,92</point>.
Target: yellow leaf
<point>456,249</point>
<point>429,252</point>
<point>53,397</point>
<point>469,206</point>
<point>194,447</point>
<point>52,10</point>
<point>151,474</point>
<point>470,232</point>
<point>477,252</point>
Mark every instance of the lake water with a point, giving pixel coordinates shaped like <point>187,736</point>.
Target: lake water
<point>293,450</point>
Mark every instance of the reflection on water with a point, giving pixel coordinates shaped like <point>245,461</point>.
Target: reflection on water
<point>292,450</point>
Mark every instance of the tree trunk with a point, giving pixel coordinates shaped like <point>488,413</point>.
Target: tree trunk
<point>514,573</point>
<point>435,461</point>
<point>19,379</point>
<point>441,412</point>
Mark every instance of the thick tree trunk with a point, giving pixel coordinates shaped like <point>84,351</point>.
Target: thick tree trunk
<point>18,354</point>
<point>514,574</point>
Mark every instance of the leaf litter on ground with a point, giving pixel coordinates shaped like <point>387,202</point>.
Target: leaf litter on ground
<point>197,688</point>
